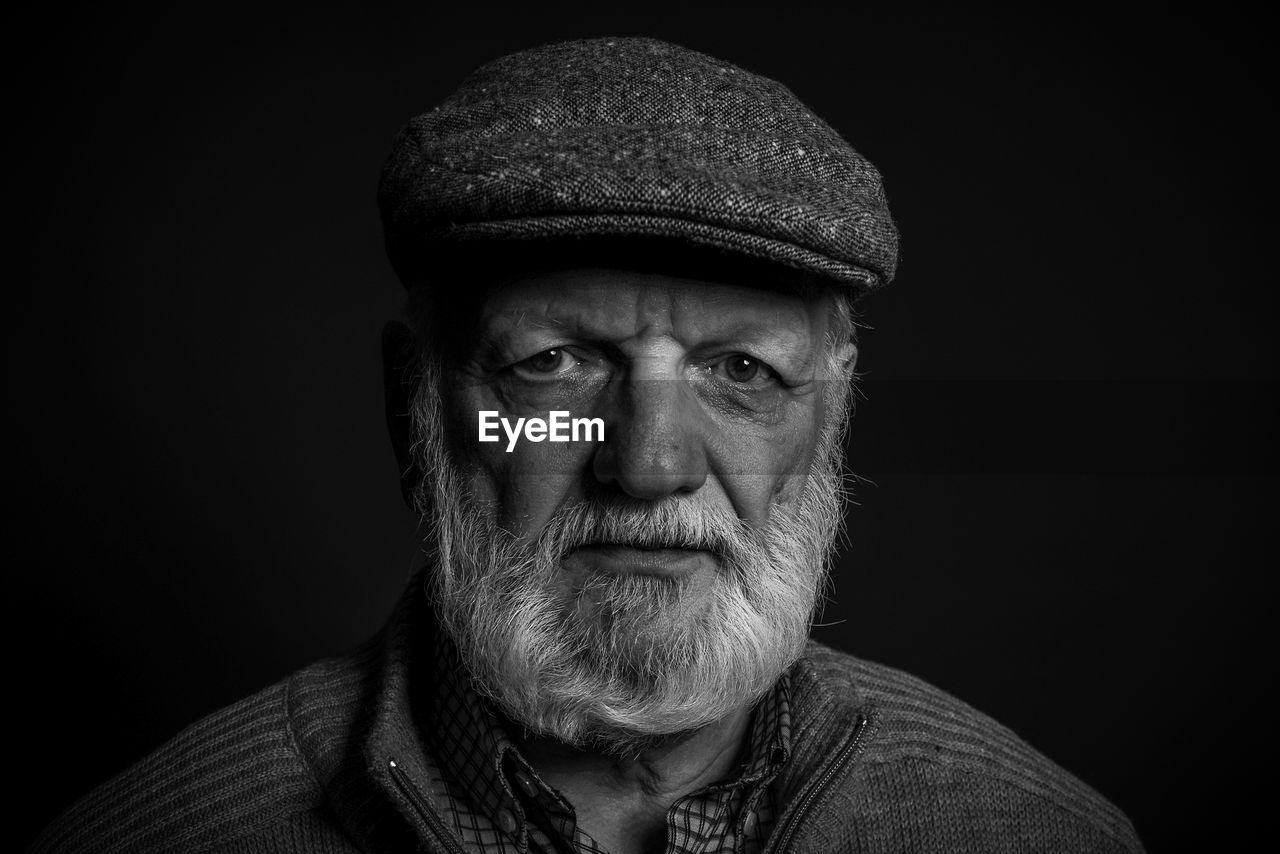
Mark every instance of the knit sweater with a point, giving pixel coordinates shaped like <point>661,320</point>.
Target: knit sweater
<point>332,759</point>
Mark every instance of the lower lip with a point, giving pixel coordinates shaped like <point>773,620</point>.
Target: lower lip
<point>630,560</point>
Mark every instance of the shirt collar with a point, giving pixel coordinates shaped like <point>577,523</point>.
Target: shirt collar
<point>478,756</point>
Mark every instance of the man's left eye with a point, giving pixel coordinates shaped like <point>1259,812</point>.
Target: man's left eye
<point>548,363</point>
<point>741,368</point>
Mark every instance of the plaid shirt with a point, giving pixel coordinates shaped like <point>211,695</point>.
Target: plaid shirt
<point>499,805</point>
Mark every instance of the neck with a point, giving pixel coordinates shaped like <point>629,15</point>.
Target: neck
<point>676,766</point>
<point>628,797</point>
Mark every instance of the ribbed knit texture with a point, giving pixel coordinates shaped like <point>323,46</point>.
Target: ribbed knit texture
<point>303,767</point>
<point>237,769</point>
<point>937,775</point>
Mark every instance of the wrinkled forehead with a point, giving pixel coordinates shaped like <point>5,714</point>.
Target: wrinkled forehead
<point>613,304</point>
<point>611,286</point>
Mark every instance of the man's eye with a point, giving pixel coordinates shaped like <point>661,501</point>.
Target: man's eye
<point>548,363</point>
<point>741,368</point>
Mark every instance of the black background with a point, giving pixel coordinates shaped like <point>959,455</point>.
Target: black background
<point>1068,407</point>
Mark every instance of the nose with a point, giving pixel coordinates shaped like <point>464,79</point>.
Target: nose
<point>654,444</point>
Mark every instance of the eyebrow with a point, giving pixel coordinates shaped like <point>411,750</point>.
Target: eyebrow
<point>490,339</point>
<point>542,322</point>
<point>491,336</point>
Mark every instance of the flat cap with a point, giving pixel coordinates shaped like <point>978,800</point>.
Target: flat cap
<point>626,137</point>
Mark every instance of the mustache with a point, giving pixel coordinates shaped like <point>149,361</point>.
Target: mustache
<point>674,523</point>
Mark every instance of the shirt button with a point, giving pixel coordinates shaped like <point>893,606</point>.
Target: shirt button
<point>507,821</point>
<point>750,823</point>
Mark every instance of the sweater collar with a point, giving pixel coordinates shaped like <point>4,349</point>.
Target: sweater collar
<point>388,760</point>
<point>478,754</point>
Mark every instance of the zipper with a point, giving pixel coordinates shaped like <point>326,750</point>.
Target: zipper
<point>419,803</point>
<point>806,802</point>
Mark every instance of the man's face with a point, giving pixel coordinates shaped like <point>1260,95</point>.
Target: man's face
<point>691,539</point>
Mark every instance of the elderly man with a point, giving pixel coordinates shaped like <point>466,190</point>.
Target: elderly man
<point>619,406</point>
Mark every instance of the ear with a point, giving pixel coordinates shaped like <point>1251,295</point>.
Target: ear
<point>847,356</point>
<point>397,387</point>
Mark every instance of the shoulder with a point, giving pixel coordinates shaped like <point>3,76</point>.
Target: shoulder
<point>250,771</point>
<point>935,767</point>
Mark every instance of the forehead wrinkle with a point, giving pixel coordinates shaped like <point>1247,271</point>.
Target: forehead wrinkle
<point>637,308</point>
<point>587,313</point>
<point>788,338</point>
<point>794,338</point>
<point>506,323</point>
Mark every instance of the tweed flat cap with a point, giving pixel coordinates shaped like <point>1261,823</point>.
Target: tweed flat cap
<point>634,137</point>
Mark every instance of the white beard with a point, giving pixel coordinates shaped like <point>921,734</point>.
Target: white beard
<point>623,662</point>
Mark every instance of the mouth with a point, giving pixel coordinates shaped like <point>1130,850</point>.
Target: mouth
<point>635,559</point>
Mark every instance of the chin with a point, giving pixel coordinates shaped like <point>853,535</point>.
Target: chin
<point>652,624</point>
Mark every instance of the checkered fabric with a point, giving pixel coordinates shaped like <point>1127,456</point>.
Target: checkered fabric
<point>498,803</point>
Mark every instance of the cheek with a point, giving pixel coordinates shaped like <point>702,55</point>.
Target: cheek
<point>524,486</point>
<point>761,469</point>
